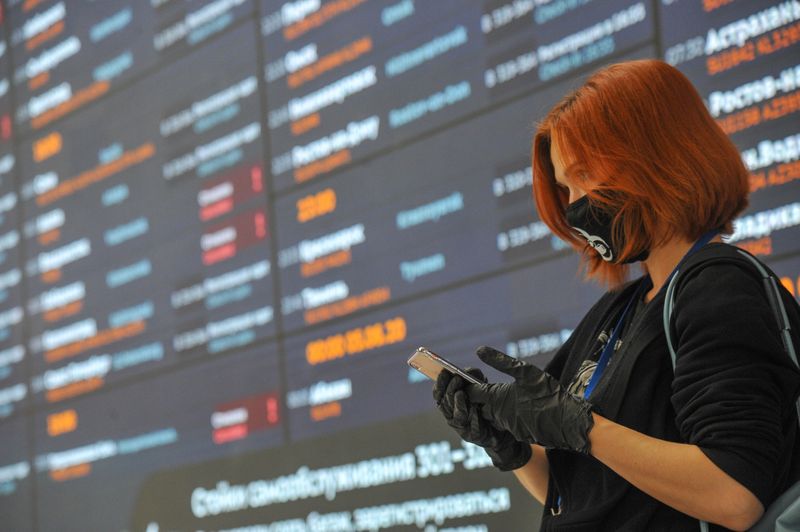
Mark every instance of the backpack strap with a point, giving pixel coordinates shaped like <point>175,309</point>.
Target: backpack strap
<point>770,287</point>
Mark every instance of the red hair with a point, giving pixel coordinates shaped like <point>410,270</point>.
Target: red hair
<point>646,150</point>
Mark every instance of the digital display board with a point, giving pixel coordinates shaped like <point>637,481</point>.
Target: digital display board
<point>225,406</point>
<point>742,57</point>
<point>226,224</point>
<point>14,385</point>
<point>68,54</point>
<point>336,97</point>
<point>180,266</point>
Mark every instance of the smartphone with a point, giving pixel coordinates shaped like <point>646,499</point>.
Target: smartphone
<point>430,364</point>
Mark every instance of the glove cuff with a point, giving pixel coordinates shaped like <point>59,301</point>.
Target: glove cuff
<point>510,457</point>
<point>581,426</point>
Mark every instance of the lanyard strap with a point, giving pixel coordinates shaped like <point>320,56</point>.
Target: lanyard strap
<point>608,350</point>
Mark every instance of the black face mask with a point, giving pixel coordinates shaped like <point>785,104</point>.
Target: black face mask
<point>594,225</point>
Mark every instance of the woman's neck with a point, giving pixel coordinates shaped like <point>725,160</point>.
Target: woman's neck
<point>663,259</point>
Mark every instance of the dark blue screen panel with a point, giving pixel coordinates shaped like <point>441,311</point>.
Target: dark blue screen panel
<point>226,224</point>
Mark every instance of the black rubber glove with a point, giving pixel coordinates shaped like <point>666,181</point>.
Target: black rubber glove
<point>534,408</point>
<point>451,400</point>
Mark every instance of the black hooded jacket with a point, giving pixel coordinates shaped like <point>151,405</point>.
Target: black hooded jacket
<point>732,394</point>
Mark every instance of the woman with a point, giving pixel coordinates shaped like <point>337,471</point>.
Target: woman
<point>632,168</point>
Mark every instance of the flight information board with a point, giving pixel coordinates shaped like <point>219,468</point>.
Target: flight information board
<point>13,373</point>
<point>336,97</point>
<point>68,54</point>
<point>226,224</point>
<point>180,265</point>
<point>224,406</point>
<point>742,57</point>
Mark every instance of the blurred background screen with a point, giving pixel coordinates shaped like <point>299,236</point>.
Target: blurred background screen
<point>226,224</point>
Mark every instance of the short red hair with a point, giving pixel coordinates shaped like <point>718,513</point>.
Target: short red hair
<point>648,151</point>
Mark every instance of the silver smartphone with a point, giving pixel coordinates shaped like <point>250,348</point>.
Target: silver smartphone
<point>430,364</point>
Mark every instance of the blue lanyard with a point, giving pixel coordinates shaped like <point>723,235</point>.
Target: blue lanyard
<point>608,350</point>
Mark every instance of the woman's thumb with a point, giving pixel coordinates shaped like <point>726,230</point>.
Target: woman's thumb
<point>500,361</point>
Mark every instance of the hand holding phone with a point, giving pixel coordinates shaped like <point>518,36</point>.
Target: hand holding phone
<point>430,364</point>
<point>506,452</point>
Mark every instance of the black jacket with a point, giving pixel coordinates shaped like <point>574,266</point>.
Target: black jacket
<point>732,394</point>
